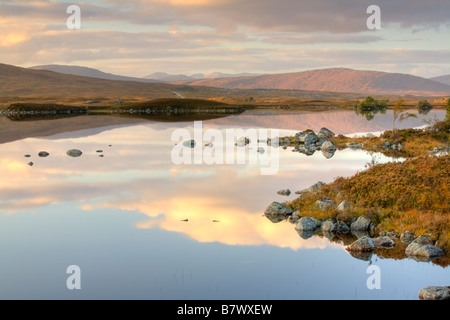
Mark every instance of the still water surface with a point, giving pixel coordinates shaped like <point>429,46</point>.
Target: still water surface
<point>120,218</point>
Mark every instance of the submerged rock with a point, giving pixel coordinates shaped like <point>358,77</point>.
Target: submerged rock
<point>434,293</point>
<point>74,153</point>
<point>423,247</point>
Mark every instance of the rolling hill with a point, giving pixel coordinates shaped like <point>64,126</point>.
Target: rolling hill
<point>89,72</point>
<point>442,79</point>
<point>333,80</point>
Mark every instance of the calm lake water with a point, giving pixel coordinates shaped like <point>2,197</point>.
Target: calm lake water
<point>121,217</point>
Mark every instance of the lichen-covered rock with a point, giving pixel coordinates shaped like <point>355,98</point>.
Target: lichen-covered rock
<point>325,204</point>
<point>325,133</point>
<point>307,224</point>
<point>361,224</point>
<point>383,242</point>
<point>423,247</point>
<point>344,205</point>
<point>435,293</point>
<point>407,237</point>
<point>364,244</point>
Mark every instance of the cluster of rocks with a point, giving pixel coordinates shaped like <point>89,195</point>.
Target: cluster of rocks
<point>391,146</point>
<point>74,153</point>
<point>308,142</point>
<point>420,248</point>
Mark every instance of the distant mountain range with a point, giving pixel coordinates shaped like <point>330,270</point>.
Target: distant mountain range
<point>337,80</point>
<point>166,77</point>
<point>442,79</point>
<point>333,80</point>
<point>88,72</point>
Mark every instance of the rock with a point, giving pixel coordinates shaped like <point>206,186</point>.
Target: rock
<point>407,237</point>
<point>30,164</point>
<point>284,192</point>
<point>275,142</point>
<point>242,142</point>
<point>43,154</point>
<point>99,151</point>
<point>344,206</point>
<point>287,142</point>
<point>189,144</point>
<point>306,234</point>
<point>294,217</point>
<point>361,224</point>
<point>328,226</point>
<point>328,145</point>
<point>328,154</point>
<point>325,204</point>
<point>383,242</point>
<point>277,212</point>
<point>364,244</point>
<point>307,224</point>
<point>316,187</point>
<point>27,156</point>
<point>261,150</point>
<point>434,293</point>
<point>342,227</point>
<point>306,137</point>
<point>74,153</point>
<point>423,247</point>
<point>325,133</point>
<point>390,234</point>
<point>354,145</point>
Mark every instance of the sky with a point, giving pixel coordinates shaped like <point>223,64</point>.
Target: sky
<point>140,37</point>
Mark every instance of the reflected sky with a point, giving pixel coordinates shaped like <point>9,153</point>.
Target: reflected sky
<point>124,213</point>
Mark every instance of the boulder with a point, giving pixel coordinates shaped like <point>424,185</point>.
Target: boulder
<point>325,204</point>
<point>364,244</point>
<point>307,224</point>
<point>284,192</point>
<point>325,133</point>
<point>342,227</point>
<point>423,247</point>
<point>361,224</point>
<point>277,212</point>
<point>316,187</point>
<point>383,242</point>
<point>74,153</point>
<point>434,293</point>
<point>328,226</point>
<point>328,146</point>
<point>306,137</point>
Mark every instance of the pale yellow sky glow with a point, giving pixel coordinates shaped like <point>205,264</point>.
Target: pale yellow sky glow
<point>139,37</point>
